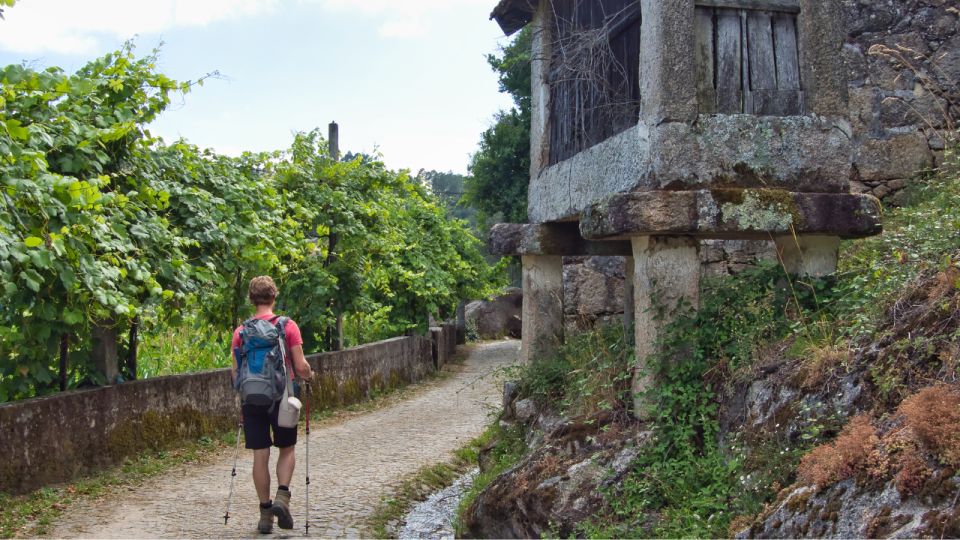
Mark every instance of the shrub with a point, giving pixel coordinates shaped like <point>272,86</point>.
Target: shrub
<point>933,415</point>
<point>830,463</point>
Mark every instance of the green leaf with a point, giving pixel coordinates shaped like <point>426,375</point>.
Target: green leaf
<point>32,279</point>
<point>32,241</point>
<point>72,316</point>
<point>16,131</point>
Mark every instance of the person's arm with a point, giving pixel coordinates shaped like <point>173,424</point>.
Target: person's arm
<point>300,365</point>
<point>234,343</point>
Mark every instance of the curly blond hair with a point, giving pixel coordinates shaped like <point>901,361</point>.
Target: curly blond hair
<point>263,291</point>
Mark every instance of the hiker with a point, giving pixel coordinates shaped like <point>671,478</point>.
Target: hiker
<point>260,420</point>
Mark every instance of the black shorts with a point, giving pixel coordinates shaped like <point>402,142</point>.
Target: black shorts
<point>257,425</point>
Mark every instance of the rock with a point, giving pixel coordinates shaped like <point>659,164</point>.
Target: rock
<point>900,198</point>
<point>858,187</point>
<point>557,485</point>
<point>434,517</point>
<point>524,410</point>
<point>901,156</point>
<point>510,390</point>
<point>881,192</point>
<point>896,184</point>
<point>850,510</point>
<point>496,318</point>
<point>593,287</point>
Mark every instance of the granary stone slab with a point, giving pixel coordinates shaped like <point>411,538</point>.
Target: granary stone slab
<point>731,213</point>
<point>795,153</point>
<point>561,239</point>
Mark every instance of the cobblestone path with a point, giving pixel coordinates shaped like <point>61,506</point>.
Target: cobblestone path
<point>353,463</point>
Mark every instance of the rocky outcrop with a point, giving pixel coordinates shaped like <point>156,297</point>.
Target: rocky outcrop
<point>496,318</point>
<point>560,482</point>
<point>892,471</point>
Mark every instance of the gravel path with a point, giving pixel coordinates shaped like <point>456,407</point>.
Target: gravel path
<point>353,463</point>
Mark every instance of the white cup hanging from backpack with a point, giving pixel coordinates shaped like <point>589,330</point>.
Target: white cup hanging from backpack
<point>289,414</point>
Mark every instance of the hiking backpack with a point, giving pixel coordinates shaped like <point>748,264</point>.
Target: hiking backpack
<point>261,365</point>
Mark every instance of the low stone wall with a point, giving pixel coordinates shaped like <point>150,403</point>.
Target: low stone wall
<point>351,376</point>
<point>58,438</point>
<point>444,344</point>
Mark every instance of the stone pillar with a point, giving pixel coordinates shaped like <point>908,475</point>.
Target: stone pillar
<point>808,255</point>
<point>105,351</point>
<point>542,306</point>
<point>668,81</point>
<point>820,34</point>
<point>629,306</point>
<point>666,281</point>
<point>461,323</point>
<point>540,91</point>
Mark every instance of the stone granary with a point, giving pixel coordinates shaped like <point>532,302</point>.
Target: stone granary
<point>659,123</point>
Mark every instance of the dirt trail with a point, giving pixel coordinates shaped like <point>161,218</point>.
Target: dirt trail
<point>352,465</point>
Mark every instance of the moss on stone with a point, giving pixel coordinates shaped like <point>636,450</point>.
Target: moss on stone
<point>765,210</point>
<point>157,431</point>
<point>798,504</point>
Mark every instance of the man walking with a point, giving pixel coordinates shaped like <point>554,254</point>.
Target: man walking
<point>260,421</point>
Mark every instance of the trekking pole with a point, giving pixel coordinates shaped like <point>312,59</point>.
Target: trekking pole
<point>233,473</point>
<point>306,401</point>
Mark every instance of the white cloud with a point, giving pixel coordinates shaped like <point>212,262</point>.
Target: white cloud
<point>402,18</point>
<point>75,27</point>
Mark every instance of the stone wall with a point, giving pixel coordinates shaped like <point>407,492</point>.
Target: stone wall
<point>593,287</point>
<point>903,59</point>
<point>57,438</point>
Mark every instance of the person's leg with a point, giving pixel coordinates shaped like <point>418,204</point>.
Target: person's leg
<point>261,473</point>
<point>256,430</point>
<point>285,465</point>
<point>285,439</point>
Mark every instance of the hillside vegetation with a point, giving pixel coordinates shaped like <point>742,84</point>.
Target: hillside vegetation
<point>785,407</point>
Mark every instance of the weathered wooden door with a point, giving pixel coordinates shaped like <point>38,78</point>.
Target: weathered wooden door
<point>747,57</point>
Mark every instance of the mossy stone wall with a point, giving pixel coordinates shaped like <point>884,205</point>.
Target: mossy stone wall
<point>58,438</point>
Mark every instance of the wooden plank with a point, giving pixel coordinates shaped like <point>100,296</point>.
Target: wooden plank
<point>788,61</point>
<point>787,6</point>
<point>788,64</point>
<point>729,85</point>
<point>763,64</point>
<point>745,62</point>
<point>706,92</point>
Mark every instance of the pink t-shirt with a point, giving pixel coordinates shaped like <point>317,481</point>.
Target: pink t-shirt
<point>291,331</point>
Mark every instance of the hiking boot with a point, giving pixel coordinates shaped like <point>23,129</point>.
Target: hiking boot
<point>265,525</point>
<point>281,509</point>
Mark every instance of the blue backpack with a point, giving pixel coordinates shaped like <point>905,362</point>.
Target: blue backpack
<point>261,361</point>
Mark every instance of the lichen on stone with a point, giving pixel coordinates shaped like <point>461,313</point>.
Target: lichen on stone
<point>761,210</point>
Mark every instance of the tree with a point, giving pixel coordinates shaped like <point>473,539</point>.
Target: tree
<point>500,168</point>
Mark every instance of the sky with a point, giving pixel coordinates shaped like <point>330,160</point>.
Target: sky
<point>407,78</point>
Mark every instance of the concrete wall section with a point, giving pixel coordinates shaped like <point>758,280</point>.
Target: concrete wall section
<point>57,438</point>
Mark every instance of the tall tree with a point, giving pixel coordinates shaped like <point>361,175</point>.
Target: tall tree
<point>500,168</point>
